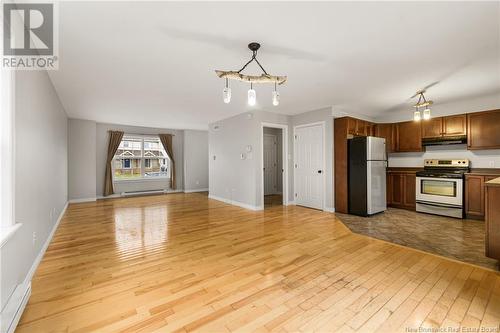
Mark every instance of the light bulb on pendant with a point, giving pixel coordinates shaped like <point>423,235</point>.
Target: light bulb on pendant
<point>416,115</point>
<point>427,113</point>
<point>226,93</point>
<point>276,96</point>
<point>252,96</point>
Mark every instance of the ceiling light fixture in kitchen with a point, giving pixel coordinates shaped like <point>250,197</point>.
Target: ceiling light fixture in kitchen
<point>422,103</point>
<point>263,78</point>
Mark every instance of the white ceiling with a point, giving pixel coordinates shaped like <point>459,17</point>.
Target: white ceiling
<point>152,63</point>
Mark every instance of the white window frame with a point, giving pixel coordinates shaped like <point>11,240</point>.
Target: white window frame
<point>142,158</point>
<point>7,153</point>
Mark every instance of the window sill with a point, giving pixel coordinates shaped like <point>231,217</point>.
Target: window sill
<point>138,180</point>
<point>6,233</point>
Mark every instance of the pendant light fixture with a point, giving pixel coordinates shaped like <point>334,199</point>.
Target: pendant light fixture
<point>276,96</point>
<point>252,96</point>
<point>226,93</point>
<point>263,78</point>
<point>422,103</point>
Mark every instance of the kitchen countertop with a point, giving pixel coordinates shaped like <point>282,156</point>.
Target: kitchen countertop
<point>473,171</point>
<point>404,169</point>
<point>493,182</point>
<point>484,171</point>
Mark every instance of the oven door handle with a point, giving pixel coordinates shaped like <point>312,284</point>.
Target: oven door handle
<point>438,205</point>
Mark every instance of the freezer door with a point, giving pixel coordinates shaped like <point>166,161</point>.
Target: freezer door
<point>376,187</point>
<point>375,149</point>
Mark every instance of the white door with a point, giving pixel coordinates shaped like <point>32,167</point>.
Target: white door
<point>308,166</point>
<point>270,164</point>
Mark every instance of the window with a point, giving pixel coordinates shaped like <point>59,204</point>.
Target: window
<point>7,158</point>
<point>140,157</point>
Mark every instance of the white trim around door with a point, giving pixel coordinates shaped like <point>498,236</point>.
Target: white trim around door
<point>284,152</point>
<point>323,168</point>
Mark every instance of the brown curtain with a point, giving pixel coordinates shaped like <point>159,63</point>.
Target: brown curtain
<point>115,137</point>
<point>166,140</point>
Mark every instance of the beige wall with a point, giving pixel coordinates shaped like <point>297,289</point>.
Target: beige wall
<point>41,177</point>
<point>195,160</point>
<point>81,159</point>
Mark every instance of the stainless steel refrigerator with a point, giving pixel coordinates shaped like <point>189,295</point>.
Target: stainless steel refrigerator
<point>367,175</point>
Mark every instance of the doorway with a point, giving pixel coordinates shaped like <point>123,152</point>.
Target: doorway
<point>274,190</point>
<point>309,167</point>
<point>273,166</point>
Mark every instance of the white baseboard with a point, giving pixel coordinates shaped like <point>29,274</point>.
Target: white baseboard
<point>235,203</point>
<point>196,190</point>
<point>130,194</point>
<point>17,302</point>
<point>15,306</point>
<point>82,200</point>
<point>290,203</point>
<point>329,209</point>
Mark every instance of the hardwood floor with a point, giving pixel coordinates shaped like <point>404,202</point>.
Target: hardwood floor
<point>273,200</point>
<point>182,262</point>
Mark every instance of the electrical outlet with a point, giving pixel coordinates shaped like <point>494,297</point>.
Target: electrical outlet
<point>492,164</point>
<point>34,237</point>
<point>197,182</point>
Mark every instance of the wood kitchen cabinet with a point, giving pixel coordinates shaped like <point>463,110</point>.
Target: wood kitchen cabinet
<point>387,132</point>
<point>432,128</point>
<point>352,125</point>
<point>342,128</point>
<point>401,189</point>
<point>483,130</point>
<point>455,125</point>
<point>444,126</point>
<point>408,136</point>
<point>409,188</point>
<point>359,127</point>
<point>475,195</point>
<point>492,225</point>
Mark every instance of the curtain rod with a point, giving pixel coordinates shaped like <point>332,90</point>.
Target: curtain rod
<point>138,133</point>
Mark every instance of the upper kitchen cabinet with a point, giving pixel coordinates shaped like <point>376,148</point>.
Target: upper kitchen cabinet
<point>432,128</point>
<point>387,132</point>
<point>444,127</point>
<point>483,130</point>
<point>352,125</point>
<point>359,127</point>
<point>408,136</point>
<point>455,125</point>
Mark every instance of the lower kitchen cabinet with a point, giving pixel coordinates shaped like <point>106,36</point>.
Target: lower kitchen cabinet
<point>474,195</point>
<point>492,210</point>
<point>401,189</point>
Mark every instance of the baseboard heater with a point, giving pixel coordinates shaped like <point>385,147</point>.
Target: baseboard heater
<point>147,192</point>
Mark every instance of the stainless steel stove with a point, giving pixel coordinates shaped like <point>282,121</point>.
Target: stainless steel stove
<point>440,187</point>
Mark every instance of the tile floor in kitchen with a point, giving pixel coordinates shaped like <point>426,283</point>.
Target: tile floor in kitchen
<point>453,238</point>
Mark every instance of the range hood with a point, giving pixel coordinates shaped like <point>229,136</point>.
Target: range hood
<point>445,140</point>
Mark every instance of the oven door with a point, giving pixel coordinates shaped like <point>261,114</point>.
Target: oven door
<point>447,191</point>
